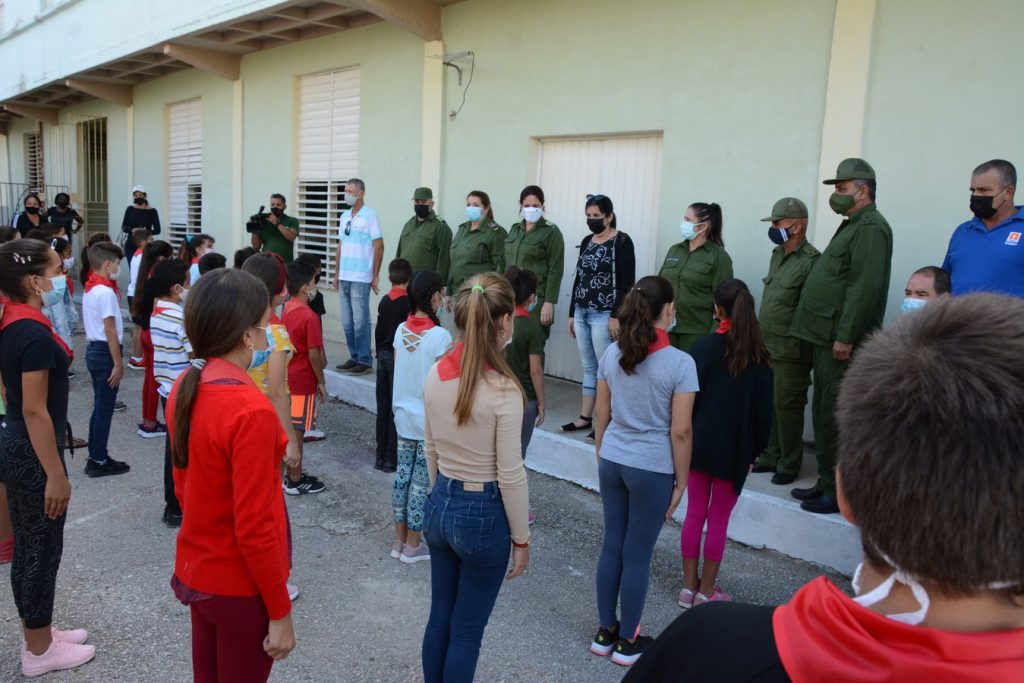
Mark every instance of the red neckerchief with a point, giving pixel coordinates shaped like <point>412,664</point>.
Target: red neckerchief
<point>450,367</point>
<point>195,260</point>
<point>418,325</point>
<point>522,312</point>
<point>660,342</point>
<point>274,320</point>
<point>397,293</point>
<point>724,326</point>
<point>822,633</point>
<point>71,284</point>
<point>13,312</point>
<point>97,279</point>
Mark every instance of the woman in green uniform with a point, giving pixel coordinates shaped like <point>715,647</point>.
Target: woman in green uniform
<point>478,243</point>
<point>695,266</point>
<point>536,244</point>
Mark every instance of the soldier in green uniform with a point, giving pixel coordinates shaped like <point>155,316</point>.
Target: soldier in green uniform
<point>791,262</point>
<point>843,300</point>
<point>536,244</point>
<point>695,267</point>
<point>426,239</point>
<point>478,243</point>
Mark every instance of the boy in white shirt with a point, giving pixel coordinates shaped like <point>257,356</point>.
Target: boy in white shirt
<point>140,238</point>
<point>104,329</point>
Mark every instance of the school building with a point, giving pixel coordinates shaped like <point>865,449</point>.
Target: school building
<point>214,105</point>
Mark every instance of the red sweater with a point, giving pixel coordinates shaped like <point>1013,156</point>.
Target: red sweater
<point>234,537</point>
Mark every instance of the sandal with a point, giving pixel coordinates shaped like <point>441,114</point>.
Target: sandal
<point>573,427</point>
<point>75,442</point>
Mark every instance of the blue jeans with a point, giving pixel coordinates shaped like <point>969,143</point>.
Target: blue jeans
<point>100,364</point>
<point>355,320</point>
<point>592,338</point>
<point>470,543</point>
<point>634,503</point>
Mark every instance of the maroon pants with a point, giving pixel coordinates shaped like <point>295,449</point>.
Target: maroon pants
<point>150,397</point>
<point>227,640</point>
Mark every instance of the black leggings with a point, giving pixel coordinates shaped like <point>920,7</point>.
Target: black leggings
<point>171,506</point>
<point>38,540</point>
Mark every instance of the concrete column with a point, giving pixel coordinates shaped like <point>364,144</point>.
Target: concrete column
<point>237,232</point>
<point>842,131</point>
<point>433,115</point>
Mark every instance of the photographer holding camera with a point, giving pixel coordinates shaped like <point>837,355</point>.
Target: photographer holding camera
<point>277,231</point>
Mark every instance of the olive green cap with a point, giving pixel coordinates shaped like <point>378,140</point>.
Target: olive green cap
<point>787,207</point>
<point>423,193</point>
<point>852,169</point>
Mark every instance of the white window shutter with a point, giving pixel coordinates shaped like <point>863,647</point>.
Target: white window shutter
<point>185,169</point>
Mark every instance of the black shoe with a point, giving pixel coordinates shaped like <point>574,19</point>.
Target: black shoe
<point>758,468</point>
<point>782,478</point>
<point>388,468</point>
<point>590,437</point>
<point>346,366</point>
<point>823,505</point>
<point>625,652</point>
<point>573,427</point>
<point>359,369</point>
<point>379,464</point>
<point>604,642</point>
<point>811,493</point>
<point>110,467</point>
<point>305,484</point>
<point>171,519</point>
<point>71,375</point>
<point>119,407</point>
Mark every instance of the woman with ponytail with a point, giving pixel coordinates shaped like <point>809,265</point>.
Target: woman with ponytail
<point>645,393</point>
<point>231,561</point>
<point>732,420</point>
<point>478,505</point>
<point>695,266</point>
<point>419,343</point>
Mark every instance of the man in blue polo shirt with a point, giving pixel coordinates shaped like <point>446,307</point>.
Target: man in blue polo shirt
<point>986,254</point>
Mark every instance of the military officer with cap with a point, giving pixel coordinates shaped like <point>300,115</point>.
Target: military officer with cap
<point>843,300</point>
<point>426,239</point>
<point>791,262</point>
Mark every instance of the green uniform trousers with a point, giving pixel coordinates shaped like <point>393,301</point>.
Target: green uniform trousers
<point>828,375</point>
<point>684,342</point>
<point>785,450</point>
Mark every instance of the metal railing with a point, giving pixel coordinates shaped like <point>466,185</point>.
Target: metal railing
<point>12,196</point>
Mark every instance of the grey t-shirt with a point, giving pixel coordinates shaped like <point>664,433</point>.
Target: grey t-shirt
<point>639,434</point>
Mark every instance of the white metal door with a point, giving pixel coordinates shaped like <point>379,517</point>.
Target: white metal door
<point>625,168</point>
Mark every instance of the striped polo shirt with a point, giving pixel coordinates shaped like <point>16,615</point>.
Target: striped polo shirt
<point>170,344</point>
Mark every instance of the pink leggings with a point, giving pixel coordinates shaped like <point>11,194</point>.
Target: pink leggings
<point>711,500</point>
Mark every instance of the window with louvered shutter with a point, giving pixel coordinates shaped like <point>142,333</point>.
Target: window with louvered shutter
<point>185,169</point>
<point>328,143</point>
<point>34,162</point>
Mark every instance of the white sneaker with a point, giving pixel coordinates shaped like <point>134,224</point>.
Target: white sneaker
<point>293,591</point>
<point>412,555</point>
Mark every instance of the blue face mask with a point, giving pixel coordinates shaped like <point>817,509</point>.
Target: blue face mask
<point>910,305</point>
<point>55,295</point>
<point>671,325</point>
<point>533,305</point>
<point>261,357</point>
<point>688,230</point>
<point>474,213</point>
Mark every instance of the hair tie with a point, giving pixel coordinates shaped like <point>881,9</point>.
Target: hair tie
<point>478,288</point>
<point>199,363</point>
<point>188,238</point>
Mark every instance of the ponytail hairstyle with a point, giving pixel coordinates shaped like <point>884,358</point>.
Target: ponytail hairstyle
<point>20,259</point>
<point>86,269</point>
<point>424,285</point>
<point>481,302</point>
<point>220,307</point>
<point>190,246</point>
<point>744,344</point>
<point>152,252</point>
<point>604,204</point>
<point>524,283</point>
<point>269,269</point>
<point>712,214</point>
<point>639,312</point>
<point>486,201</point>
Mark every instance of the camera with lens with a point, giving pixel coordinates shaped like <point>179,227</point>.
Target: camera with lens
<point>257,221</point>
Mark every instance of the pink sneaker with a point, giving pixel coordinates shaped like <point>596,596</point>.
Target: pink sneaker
<point>396,549</point>
<point>717,596</point>
<point>75,636</point>
<point>7,550</point>
<point>59,657</point>
<point>686,598</point>
<point>412,555</point>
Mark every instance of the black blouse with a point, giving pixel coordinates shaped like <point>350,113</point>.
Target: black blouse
<point>604,274</point>
<point>134,217</point>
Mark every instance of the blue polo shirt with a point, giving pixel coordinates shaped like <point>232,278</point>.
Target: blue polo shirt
<point>983,260</point>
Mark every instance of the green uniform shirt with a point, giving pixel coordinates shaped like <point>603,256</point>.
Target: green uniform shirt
<point>274,241</point>
<point>694,276</point>
<point>527,340</point>
<point>540,251</point>
<point>844,296</point>
<point>475,251</point>
<point>426,244</point>
<point>786,276</point>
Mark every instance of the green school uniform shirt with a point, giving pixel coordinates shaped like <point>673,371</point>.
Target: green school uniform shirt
<point>475,251</point>
<point>527,340</point>
<point>542,252</point>
<point>694,276</point>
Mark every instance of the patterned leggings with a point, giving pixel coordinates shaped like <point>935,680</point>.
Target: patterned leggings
<point>411,483</point>
<point>38,540</point>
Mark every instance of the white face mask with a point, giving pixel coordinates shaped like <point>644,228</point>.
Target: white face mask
<point>351,199</point>
<point>882,591</point>
<point>508,341</point>
<point>532,214</point>
<point>183,294</point>
<point>115,274</point>
<point>69,263</point>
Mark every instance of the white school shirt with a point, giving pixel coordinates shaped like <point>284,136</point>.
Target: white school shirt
<point>413,361</point>
<point>133,272</point>
<point>98,303</point>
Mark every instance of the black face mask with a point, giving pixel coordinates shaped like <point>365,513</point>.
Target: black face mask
<point>422,210</point>
<point>62,204</point>
<point>32,210</point>
<point>778,235</point>
<point>982,206</point>
<point>596,225</point>
<point>140,200</point>
<point>276,211</point>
